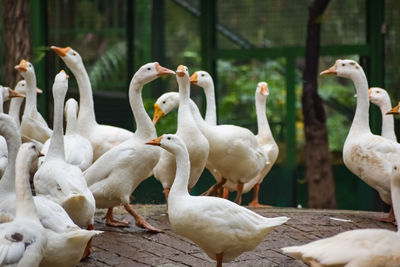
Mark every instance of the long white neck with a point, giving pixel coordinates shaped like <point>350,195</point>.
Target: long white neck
<point>387,121</point>
<point>31,97</point>
<point>86,116</point>
<point>15,107</point>
<point>211,111</point>
<point>262,122</point>
<point>25,207</point>
<point>144,125</point>
<point>13,139</point>
<point>184,113</point>
<point>181,182</point>
<point>360,123</point>
<point>56,148</point>
<point>72,123</point>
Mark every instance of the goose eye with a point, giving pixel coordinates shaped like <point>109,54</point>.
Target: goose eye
<point>148,68</point>
<point>33,147</point>
<point>202,75</point>
<point>169,138</point>
<point>343,64</point>
<point>30,65</point>
<point>163,102</point>
<point>23,84</point>
<point>58,187</point>
<point>74,54</point>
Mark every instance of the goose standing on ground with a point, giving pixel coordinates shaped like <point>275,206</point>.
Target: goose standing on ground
<point>58,180</point>
<point>33,126</point>
<point>368,156</point>
<point>22,241</point>
<point>355,245</point>
<point>66,241</point>
<point>102,137</point>
<point>78,150</point>
<point>380,97</point>
<point>6,94</point>
<point>188,131</point>
<point>115,175</point>
<point>221,228</point>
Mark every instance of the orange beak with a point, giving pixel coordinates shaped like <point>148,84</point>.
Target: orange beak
<point>394,111</point>
<point>21,66</point>
<point>65,73</point>
<point>62,52</point>
<point>330,71</point>
<point>163,71</point>
<point>369,92</point>
<point>264,89</point>
<point>155,142</point>
<point>13,93</point>
<point>158,113</point>
<point>180,71</point>
<point>41,154</point>
<point>193,78</point>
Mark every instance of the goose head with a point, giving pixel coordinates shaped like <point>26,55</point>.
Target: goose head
<point>21,88</point>
<point>8,93</point>
<point>71,58</point>
<point>71,107</point>
<point>26,69</point>
<point>346,68</point>
<point>149,72</point>
<point>29,151</point>
<point>164,104</point>
<point>202,79</point>
<point>60,85</point>
<point>378,96</point>
<point>262,90</point>
<point>170,142</point>
<point>182,74</point>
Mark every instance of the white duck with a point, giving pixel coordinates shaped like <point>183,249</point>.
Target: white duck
<point>188,131</point>
<point>58,180</point>
<point>78,150</point>
<point>380,97</point>
<point>22,241</point>
<point>368,156</point>
<point>102,137</point>
<point>6,94</point>
<point>221,228</point>
<point>353,246</point>
<point>33,126</point>
<point>67,241</point>
<point>115,175</point>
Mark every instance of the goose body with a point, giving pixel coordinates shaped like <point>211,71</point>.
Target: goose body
<point>221,228</point>
<point>58,180</point>
<point>188,131</point>
<point>101,137</point>
<point>33,126</point>
<point>114,176</point>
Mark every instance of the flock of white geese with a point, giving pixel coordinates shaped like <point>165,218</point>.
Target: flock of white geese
<point>99,166</point>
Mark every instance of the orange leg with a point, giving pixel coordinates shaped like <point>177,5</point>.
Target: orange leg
<point>219,258</point>
<point>390,218</point>
<point>140,221</point>
<point>88,248</point>
<point>239,190</point>
<point>255,202</point>
<point>225,193</point>
<point>110,221</point>
<point>213,190</point>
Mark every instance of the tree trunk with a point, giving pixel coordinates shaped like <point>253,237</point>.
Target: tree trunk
<point>319,177</point>
<point>16,37</point>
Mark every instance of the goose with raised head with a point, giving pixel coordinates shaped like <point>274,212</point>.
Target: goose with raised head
<point>353,246</point>
<point>368,156</point>
<point>115,175</point>
<point>380,97</point>
<point>78,150</point>
<point>6,94</point>
<point>58,180</point>
<point>23,241</point>
<point>188,131</point>
<point>101,137</point>
<point>67,242</point>
<point>33,126</point>
<point>221,228</point>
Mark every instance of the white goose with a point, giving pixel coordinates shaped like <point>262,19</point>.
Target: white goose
<point>115,175</point>
<point>380,97</point>
<point>33,126</point>
<point>368,156</point>
<point>102,137</point>
<point>188,131</point>
<point>22,241</point>
<point>78,150</point>
<point>220,227</point>
<point>364,245</point>
<point>67,242</point>
<point>58,180</point>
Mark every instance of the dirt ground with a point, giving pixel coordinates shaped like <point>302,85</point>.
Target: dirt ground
<point>133,246</point>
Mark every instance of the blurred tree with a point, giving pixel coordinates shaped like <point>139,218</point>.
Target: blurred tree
<point>16,37</point>
<point>319,176</point>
